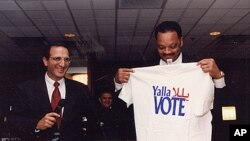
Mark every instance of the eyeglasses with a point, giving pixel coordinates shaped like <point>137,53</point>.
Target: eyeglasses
<point>59,59</point>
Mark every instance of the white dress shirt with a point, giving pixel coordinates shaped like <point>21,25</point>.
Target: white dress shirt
<point>51,87</point>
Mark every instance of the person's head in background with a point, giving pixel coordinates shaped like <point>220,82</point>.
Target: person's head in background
<point>169,41</point>
<point>57,60</point>
<point>106,99</point>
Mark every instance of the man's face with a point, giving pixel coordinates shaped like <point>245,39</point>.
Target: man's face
<point>169,45</point>
<point>58,63</point>
<point>106,100</point>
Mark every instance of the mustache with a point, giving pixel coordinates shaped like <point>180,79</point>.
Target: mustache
<point>168,54</point>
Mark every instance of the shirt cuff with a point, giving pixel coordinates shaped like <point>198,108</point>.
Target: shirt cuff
<point>219,83</point>
<point>37,130</point>
<point>117,86</point>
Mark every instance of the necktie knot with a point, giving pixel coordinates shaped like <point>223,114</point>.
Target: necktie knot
<point>56,84</point>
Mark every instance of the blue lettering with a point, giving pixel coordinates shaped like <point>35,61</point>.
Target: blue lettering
<point>181,107</point>
<point>174,99</point>
<point>165,105</point>
<point>157,105</point>
<point>163,91</point>
<point>168,103</point>
<point>155,89</point>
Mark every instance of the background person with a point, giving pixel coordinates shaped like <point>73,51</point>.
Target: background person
<point>111,118</point>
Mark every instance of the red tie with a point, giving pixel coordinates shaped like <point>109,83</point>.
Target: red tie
<point>56,97</point>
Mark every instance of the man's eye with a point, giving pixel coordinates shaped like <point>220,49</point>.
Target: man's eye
<point>161,47</point>
<point>66,59</point>
<point>174,46</point>
<point>57,58</point>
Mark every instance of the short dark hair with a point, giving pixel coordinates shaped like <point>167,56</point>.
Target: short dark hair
<point>168,26</point>
<point>54,44</point>
<point>105,91</point>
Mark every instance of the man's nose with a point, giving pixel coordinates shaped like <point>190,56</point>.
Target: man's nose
<point>63,63</point>
<point>167,50</point>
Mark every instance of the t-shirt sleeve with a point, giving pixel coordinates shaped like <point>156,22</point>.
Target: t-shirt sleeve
<point>204,101</point>
<point>126,93</point>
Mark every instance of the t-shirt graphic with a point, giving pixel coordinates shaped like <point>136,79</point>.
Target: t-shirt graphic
<point>171,102</point>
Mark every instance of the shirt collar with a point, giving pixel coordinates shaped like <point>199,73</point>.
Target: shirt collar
<point>177,61</point>
<point>51,81</point>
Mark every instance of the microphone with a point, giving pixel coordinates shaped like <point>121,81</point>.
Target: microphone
<point>58,110</point>
<point>60,105</point>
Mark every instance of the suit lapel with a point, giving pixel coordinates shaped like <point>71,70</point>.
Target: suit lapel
<point>187,59</point>
<point>43,96</point>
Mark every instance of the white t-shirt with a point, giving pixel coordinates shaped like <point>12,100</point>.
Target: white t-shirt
<point>171,102</point>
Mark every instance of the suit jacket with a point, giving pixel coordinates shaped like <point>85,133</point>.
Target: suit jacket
<point>31,103</point>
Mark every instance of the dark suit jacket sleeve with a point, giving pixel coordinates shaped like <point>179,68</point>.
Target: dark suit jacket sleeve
<point>21,118</point>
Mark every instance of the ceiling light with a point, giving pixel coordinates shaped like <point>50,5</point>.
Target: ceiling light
<point>70,35</point>
<point>215,33</point>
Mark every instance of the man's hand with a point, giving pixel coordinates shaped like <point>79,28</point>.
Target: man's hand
<point>47,121</point>
<point>122,75</point>
<point>209,66</point>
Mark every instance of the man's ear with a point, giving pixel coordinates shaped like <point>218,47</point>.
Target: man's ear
<point>45,61</point>
<point>181,42</point>
<point>99,100</point>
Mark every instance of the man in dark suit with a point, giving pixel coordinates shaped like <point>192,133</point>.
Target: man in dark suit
<point>169,43</point>
<point>32,114</point>
<point>111,116</point>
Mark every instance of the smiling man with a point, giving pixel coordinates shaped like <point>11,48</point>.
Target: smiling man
<point>106,99</point>
<point>35,113</point>
<point>159,93</point>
